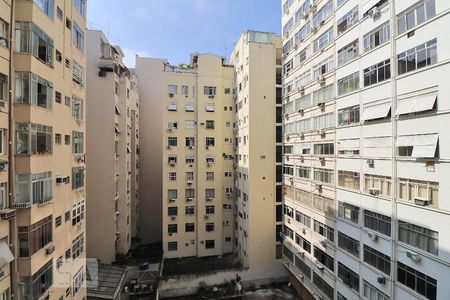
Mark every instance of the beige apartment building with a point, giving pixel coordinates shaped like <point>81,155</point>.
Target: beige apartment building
<point>197,116</point>
<point>257,63</point>
<point>113,142</point>
<point>46,162</point>
<point>7,214</point>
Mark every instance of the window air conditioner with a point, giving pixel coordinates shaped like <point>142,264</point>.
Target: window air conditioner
<point>370,162</point>
<point>381,280</point>
<point>49,248</point>
<point>374,191</point>
<point>229,195</point>
<point>189,199</point>
<point>413,256</point>
<point>373,236</point>
<point>301,111</point>
<point>172,199</point>
<point>422,201</point>
<point>323,244</point>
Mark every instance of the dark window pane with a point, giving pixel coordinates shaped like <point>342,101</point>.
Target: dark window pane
<point>420,12</point>
<point>431,9</point>
<point>421,58</point>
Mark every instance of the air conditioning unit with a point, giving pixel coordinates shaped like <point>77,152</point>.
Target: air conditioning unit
<point>289,221</point>
<point>211,96</point>
<point>209,164</point>
<point>229,195</point>
<point>209,199</point>
<point>302,135</point>
<point>321,79</point>
<point>413,256</point>
<point>301,254</point>
<point>50,248</point>
<point>191,147</point>
<point>322,159</point>
<point>172,199</point>
<point>323,244</point>
<point>370,162</point>
<point>173,218</point>
<point>301,111</point>
<point>291,180</point>
<point>322,132</point>
<point>312,8</point>
<point>59,263</point>
<point>189,182</point>
<point>321,105</point>
<point>186,244</point>
<point>374,191</point>
<point>319,187</point>
<point>170,234</point>
<point>189,199</point>
<point>375,12</point>
<point>169,147</point>
<point>60,179</point>
<point>381,280</point>
<point>206,216</point>
<point>320,267</point>
<point>170,129</point>
<point>373,236</point>
<point>172,163</point>
<point>287,138</point>
<point>301,89</point>
<point>102,73</point>
<point>422,201</point>
<point>303,230</point>
<point>207,147</point>
<point>286,116</point>
<point>170,95</point>
<point>302,158</point>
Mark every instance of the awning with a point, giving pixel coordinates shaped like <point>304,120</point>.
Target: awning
<point>117,109</point>
<point>6,255</point>
<point>416,104</point>
<point>378,111</point>
<point>423,145</point>
<point>116,129</point>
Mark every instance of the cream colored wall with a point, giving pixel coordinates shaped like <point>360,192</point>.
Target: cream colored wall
<point>135,119</point>
<point>149,72</point>
<point>61,161</point>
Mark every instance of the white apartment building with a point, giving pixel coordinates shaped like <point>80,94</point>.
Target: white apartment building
<point>384,236</point>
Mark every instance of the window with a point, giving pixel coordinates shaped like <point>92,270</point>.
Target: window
<point>377,185</point>
<point>210,193</point>
<point>323,286</point>
<point>210,142</point>
<point>78,280</point>
<point>190,159</point>
<point>419,237</point>
<point>209,90</point>
<point>416,15</point>
<point>324,94</point>
<point>78,37</point>
<point>34,188</point>
<point>77,246</point>
<point>209,124</point>
<point>4,30</point>
<point>209,244</point>
<point>172,141</point>
<point>322,41</point>
<point>80,6</point>
<point>418,57</point>
<point>33,40</point>
<point>189,227</point>
<point>209,209</point>
<point>77,213</point>
<point>348,116</point>
<point>306,245</point>
<point>303,172</point>
<point>42,280</point>
<point>324,175</point>
<point>67,216</point>
<point>347,21</point>
<point>323,67</point>
<point>58,97</point>
<point>372,293</point>
<point>324,204</point>
<point>348,179</point>
<point>189,210</point>
<point>324,121</point>
<point>32,89</point>
<point>378,222</point>
<point>377,73</point>
<point>77,142</point>
<point>172,89</point>
<point>77,177</point>
<point>67,101</point>
<point>417,281</point>
<point>77,74</point>
<point>77,108</point>
<point>189,107</point>
<point>326,11</point>
<point>324,230</point>
<point>172,211</point>
<point>377,37</point>
<point>348,212</point>
<point>3,89</point>
<point>348,52</point>
<point>172,228</point>
<point>324,149</point>
<point>349,277</point>
<point>172,194</point>
<point>59,13</point>
<point>172,176</point>
<point>209,227</point>
<point>325,259</point>
<point>349,244</point>
<point>209,176</point>
<point>412,190</point>
<point>35,237</point>
<point>58,219</point>
<point>303,102</point>
<point>348,84</point>
<point>189,176</point>
<point>172,246</point>
<point>377,259</point>
<point>210,107</point>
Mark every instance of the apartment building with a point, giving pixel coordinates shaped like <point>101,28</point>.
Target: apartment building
<point>386,237</point>
<point>113,142</point>
<point>257,61</point>
<point>47,130</point>
<point>7,220</point>
<point>197,153</point>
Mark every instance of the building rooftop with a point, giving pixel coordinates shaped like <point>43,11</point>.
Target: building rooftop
<point>107,282</point>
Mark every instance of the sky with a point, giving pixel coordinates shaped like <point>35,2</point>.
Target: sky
<point>174,29</point>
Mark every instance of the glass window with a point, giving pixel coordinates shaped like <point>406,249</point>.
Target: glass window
<point>417,281</point>
<point>348,212</point>
<point>348,84</point>
<point>377,73</point>
<point>80,6</point>
<point>416,15</point>
<point>78,36</point>
<point>77,108</point>
<point>33,139</point>
<point>32,39</point>
<point>347,21</point>
<point>372,293</point>
<point>77,142</point>
<point>324,175</point>
<point>322,41</point>
<point>325,259</point>
<point>33,287</point>
<point>77,73</point>
<point>377,222</point>
<point>377,37</point>
<point>32,89</point>
<point>348,276</point>
<point>348,52</point>
<point>324,230</point>
<point>377,259</point>
<point>35,237</point>
<point>324,94</point>
<point>348,179</point>
<point>349,244</point>
<point>348,116</point>
<point>77,177</point>
<point>418,57</point>
<point>47,6</point>
<point>419,237</point>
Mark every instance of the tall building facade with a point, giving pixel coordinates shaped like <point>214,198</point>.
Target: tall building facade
<point>113,143</point>
<point>198,156</point>
<point>257,60</point>
<point>48,148</point>
<point>7,213</point>
<point>383,237</point>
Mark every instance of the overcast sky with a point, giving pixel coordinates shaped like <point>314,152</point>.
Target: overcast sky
<point>173,29</point>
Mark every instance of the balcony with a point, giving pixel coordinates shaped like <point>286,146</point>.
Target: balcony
<point>7,213</point>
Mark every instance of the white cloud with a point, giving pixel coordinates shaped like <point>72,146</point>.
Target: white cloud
<point>130,56</point>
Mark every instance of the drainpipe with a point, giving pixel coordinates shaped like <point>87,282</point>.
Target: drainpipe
<point>12,221</point>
